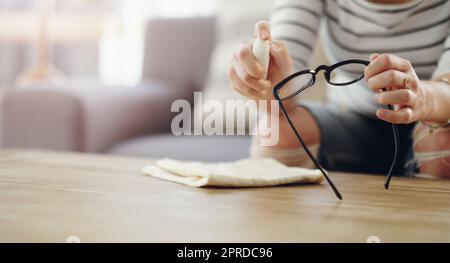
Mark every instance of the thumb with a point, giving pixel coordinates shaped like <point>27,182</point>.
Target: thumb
<point>262,30</point>
<point>374,56</point>
<point>279,54</point>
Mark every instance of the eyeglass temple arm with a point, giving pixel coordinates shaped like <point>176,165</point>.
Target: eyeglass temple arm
<point>308,152</point>
<point>396,146</point>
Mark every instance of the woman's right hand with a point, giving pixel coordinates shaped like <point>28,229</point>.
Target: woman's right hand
<point>246,75</point>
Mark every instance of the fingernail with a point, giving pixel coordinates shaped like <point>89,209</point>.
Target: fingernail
<point>275,46</point>
<point>265,34</point>
<point>373,57</point>
<point>381,113</point>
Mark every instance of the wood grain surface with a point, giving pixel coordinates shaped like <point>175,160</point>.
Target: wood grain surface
<point>50,196</point>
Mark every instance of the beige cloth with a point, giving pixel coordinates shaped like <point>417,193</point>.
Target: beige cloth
<point>243,173</point>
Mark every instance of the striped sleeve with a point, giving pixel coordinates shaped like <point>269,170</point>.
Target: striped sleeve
<point>296,23</point>
<point>444,61</point>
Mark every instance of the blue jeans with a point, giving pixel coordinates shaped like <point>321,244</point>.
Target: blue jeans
<point>352,142</point>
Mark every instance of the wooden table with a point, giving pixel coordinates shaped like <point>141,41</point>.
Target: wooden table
<point>50,196</point>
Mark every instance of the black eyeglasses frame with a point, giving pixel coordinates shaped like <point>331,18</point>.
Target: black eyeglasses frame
<point>327,73</point>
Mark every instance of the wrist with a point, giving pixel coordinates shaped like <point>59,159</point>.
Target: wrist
<point>429,109</point>
<point>437,103</point>
<point>289,106</point>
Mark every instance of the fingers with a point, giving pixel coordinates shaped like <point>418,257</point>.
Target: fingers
<point>402,116</point>
<point>249,62</point>
<point>389,78</point>
<point>280,56</point>
<point>385,62</point>
<point>255,83</point>
<point>241,87</point>
<point>374,56</point>
<point>262,30</point>
<point>402,97</point>
<point>390,71</point>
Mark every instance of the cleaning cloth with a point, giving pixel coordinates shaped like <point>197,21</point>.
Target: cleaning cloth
<point>242,173</point>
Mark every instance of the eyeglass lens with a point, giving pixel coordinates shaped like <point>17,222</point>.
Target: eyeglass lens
<point>345,74</point>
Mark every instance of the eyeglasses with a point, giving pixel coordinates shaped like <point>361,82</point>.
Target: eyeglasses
<point>300,81</point>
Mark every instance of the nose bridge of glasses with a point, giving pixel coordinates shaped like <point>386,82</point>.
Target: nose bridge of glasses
<point>319,68</point>
<point>323,68</point>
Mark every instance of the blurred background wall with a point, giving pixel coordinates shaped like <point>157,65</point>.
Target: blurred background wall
<point>101,75</point>
<point>90,40</point>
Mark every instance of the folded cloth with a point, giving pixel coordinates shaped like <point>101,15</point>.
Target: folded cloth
<point>243,173</point>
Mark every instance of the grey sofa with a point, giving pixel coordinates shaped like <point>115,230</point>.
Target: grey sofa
<point>133,121</point>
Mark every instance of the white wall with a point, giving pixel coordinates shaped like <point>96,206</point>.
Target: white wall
<point>121,49</point>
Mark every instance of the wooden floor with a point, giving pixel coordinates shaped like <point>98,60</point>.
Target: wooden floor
<point>49,196</point>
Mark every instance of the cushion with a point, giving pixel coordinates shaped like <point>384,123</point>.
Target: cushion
<point>200,148</point>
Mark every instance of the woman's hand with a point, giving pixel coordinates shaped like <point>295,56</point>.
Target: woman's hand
<point>246,74</point>
<point>409,95</point>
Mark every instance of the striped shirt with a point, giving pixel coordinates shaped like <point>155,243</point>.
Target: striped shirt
<point>417,30</point>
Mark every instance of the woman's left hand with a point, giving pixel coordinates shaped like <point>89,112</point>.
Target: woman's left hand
<point>404,89</point>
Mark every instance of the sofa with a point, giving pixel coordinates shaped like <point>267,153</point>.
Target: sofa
<point>131,121</point>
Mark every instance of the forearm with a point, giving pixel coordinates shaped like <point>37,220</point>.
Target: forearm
<point>285,134</point>
<point>304,123</point>
<point>438,102</point>
<point>288,149</point>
